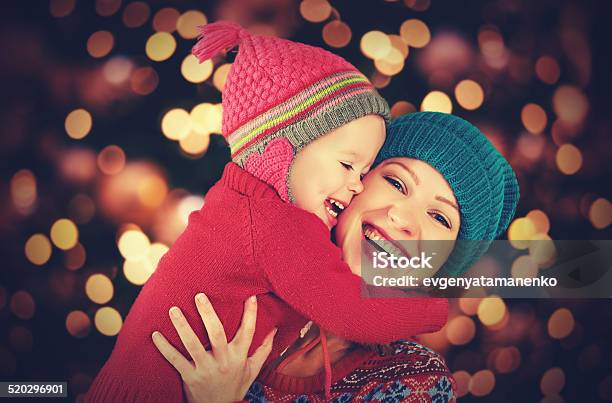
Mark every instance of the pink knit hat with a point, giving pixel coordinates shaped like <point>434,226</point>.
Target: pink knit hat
<point>281,95</point>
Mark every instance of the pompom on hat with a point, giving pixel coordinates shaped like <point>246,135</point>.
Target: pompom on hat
<point>483,182</point>
<point>280,96</point>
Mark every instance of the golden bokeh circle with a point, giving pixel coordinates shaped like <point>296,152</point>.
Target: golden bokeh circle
<point>375,45</point>
<point>108,321</point>
<point>176,124</point>
<point>561,323</point>
<point>415,33</point>
<point>534,118</point>
<point>469,94</point>
<point>337,34</point>
<point>188,23</point>
<point>99,288</point>
<point>315,10</point>
<point>160,46</point>
<point>437,101</point>
<point>568,159</point>
<point>134,245</point>
<point>194,71</point>
<point>100,43</point>
<point>38,249</point>
<point>600,213</point>
<point>78,123</point>
<point>491,310</point>
<point>64,234</point>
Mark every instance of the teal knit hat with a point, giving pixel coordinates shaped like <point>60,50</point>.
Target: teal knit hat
<point>483,182</point>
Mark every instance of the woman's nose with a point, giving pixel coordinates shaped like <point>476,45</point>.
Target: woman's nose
<point>404,221</point>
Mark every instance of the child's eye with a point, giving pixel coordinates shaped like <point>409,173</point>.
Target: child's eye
<point>441,219</point>
<point>395,183</point>
<point>347,166</point>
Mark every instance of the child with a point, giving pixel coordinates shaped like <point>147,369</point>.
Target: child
<point>302,125</point>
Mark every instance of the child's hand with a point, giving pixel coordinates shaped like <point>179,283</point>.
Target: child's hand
<point>226,373</point>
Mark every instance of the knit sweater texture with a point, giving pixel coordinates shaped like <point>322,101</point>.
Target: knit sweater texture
<point>246,241</point>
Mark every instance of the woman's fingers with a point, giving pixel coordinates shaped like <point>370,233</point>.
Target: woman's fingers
<point>214,328</point>
<point>258,358</point>
<point>188,337</point>
<point>171,354</point>
<point>244,336</point>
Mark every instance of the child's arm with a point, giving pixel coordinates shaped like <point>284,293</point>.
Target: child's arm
<point>306,270</point>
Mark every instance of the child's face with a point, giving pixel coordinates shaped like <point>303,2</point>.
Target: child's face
<point>403,199</point>
<point>330,168</point>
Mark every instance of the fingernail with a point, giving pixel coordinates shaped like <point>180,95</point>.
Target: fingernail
<point>252,299</point>
<point>201,298</point>
<point>174,311</point>
<point>274,331</point>
<point>155,335</point>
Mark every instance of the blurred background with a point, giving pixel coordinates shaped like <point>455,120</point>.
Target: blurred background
<point>110,136</point>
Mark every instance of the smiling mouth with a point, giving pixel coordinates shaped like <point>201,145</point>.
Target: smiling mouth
<point>334,207</point>
<point>381,242</point>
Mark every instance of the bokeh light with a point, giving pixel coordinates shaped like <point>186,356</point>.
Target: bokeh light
<point>469,94</point>
<point>401,108</point>
<point>136,14</point>
<point>78,324</point>
<point>61,8</point>
<point>552,381</point>
<point>540,221</point>
<point>491,310</point>
<point>24,190</point>
<point>78,123</point>
<point>106,8</point>
<point>315,10</point>
<point>118,69</point>
<point>75,258</point>
<point>533,118</point>
<point>64,234</point>
<point>187,24</point>
<point>561,323</point>
<point>507,359</point>
<point>542,250</point>
<point>194,71</point>
<point>569,159</point>
<point>391,64</point>
<point>547,69</point>
<point>524,267</point>
<point>337,34</point>
<point>460,330</point>
<point>108,321</point>
<point>462,379</point>
<point>437,101</point>
<point>195,144</point>
<point>152,191</point>
<point>220,76</point>
<point>100,44</point>
<point>375,45</point>
<point>138,271</point>
<point>134,245</point>
<point>22,305</point>
<point>111,160</point>
<point>206,118</point>
<point>160,46</point>
<point>176,124</point>
<point>520,232</point>
<point>482,383</point>
<point>38,249</point>
<point>99,288</point>
<point>144,80</point>
<point>415,33</point>
<point>165,20</point>
<point>570,104</point>
<point>600,213</point>
<point>398,43</point>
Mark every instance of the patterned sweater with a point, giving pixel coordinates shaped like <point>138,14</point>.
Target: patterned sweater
<point>410,373</point>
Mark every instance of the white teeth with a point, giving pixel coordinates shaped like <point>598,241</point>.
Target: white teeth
<point>337,203</point>
<point>331,212</point>
<point>374,235</point>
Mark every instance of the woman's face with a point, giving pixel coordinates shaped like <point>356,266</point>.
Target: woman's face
<point>403,199</point>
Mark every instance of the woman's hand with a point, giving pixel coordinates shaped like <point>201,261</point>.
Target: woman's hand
<point>226,373</point>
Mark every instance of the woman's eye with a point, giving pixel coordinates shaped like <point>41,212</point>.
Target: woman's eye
<point>395,183</point>
<point>441,219</point>
<point>348,167</point>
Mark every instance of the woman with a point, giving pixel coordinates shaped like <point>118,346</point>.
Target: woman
<point>437,177</point>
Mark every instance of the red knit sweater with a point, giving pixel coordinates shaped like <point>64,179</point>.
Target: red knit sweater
<point>247,241</point>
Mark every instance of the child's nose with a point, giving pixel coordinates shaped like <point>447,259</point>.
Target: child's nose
<point>355,186</point>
